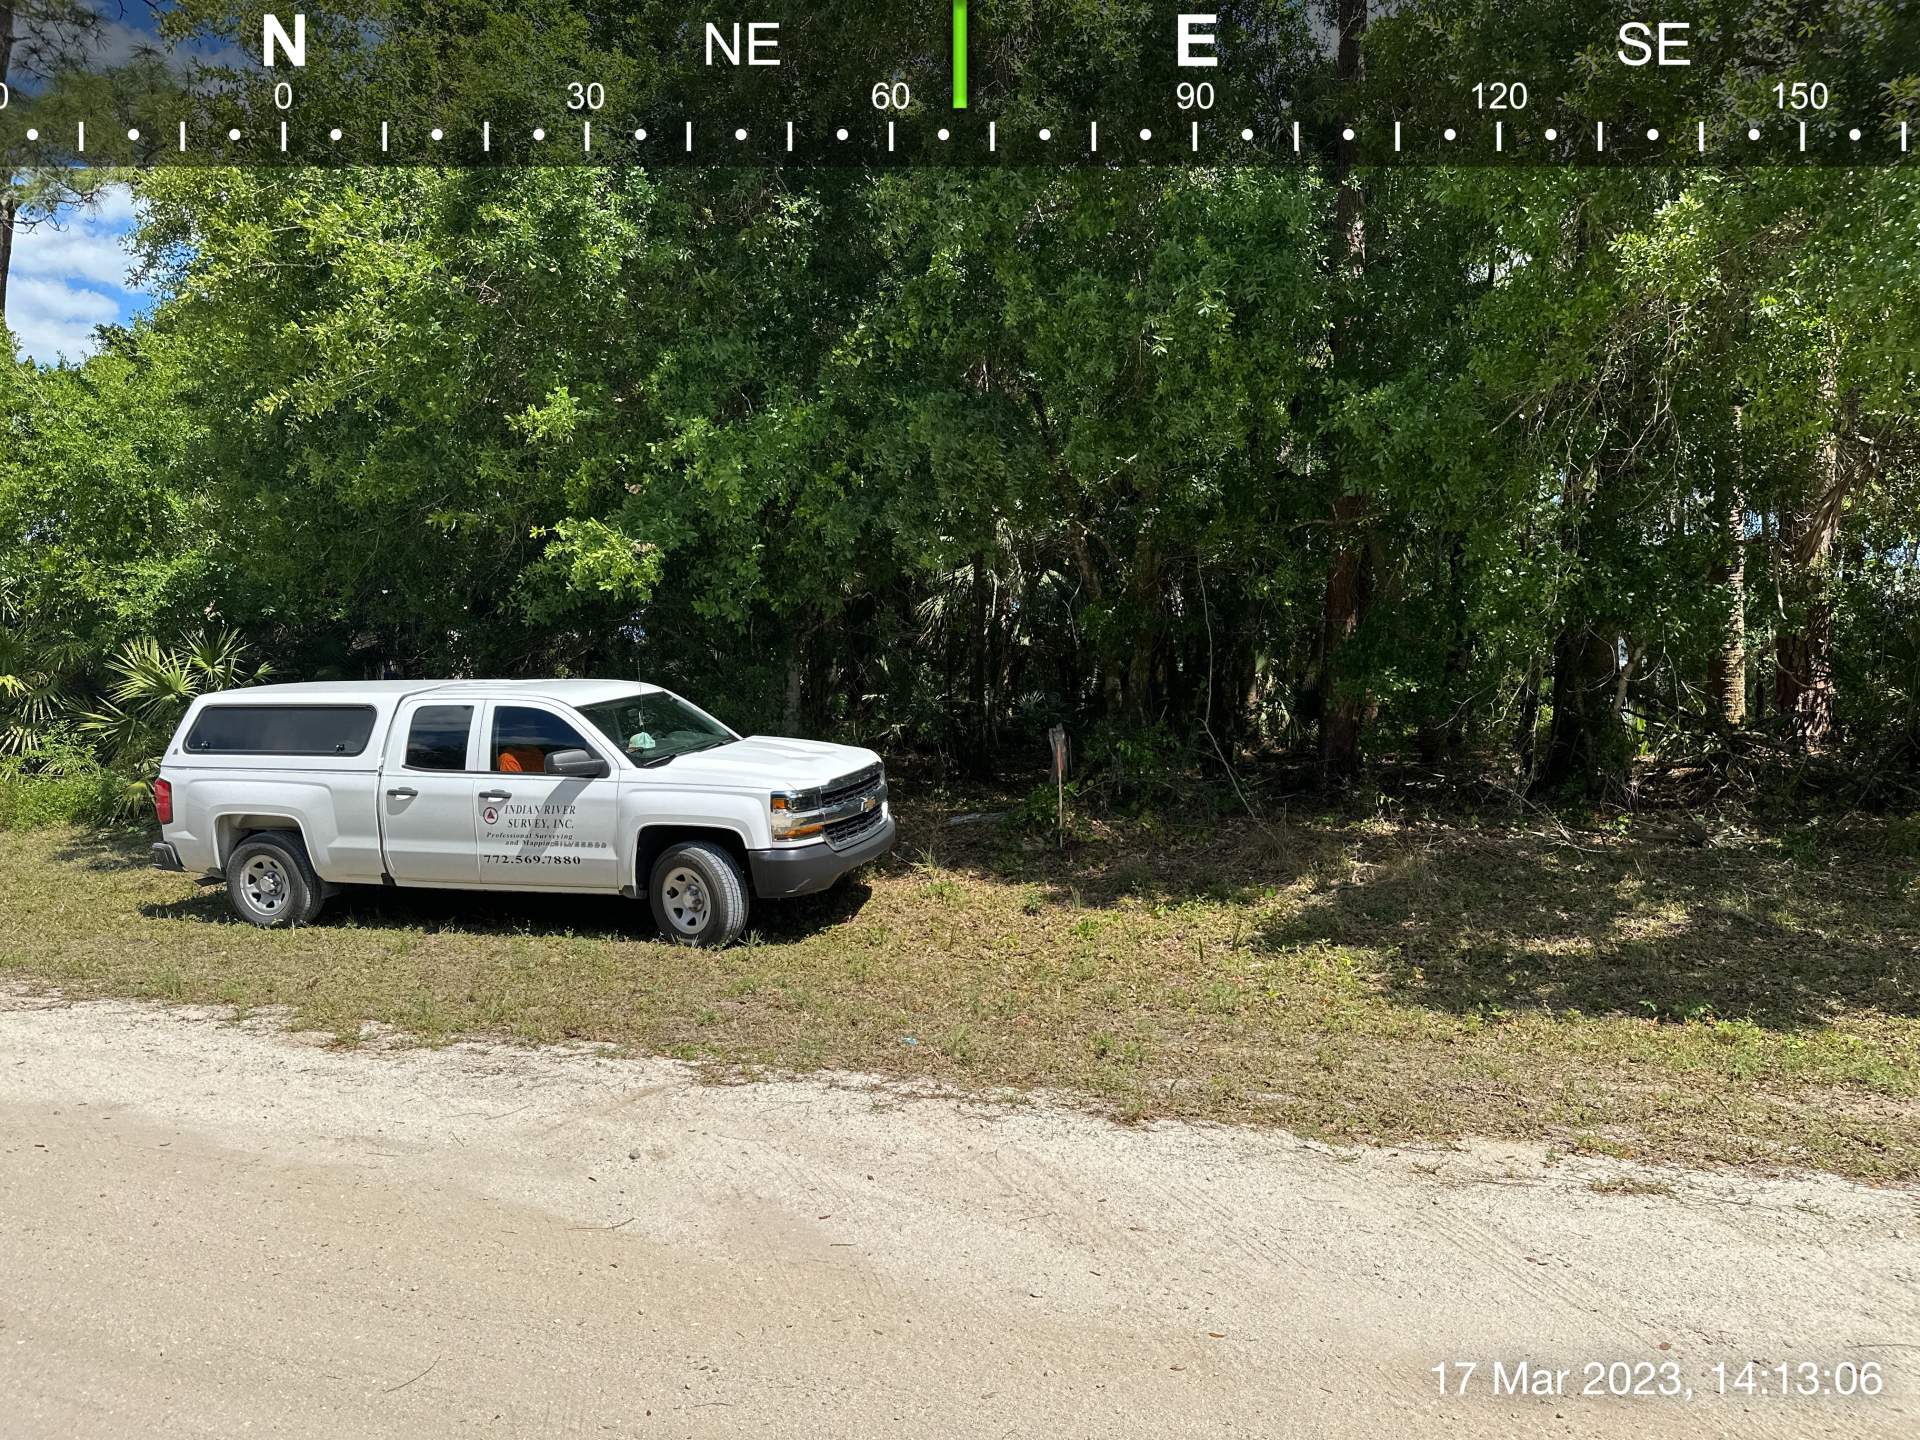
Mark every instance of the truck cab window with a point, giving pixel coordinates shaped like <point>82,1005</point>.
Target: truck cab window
<point>523,738</point>
<point>653,727</point>
<point>437,739</point>
<point>281,730</point>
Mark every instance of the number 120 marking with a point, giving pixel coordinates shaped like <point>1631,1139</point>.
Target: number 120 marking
<point>1501,95</point>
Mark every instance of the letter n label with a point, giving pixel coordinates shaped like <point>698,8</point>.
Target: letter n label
<point>274,37</point>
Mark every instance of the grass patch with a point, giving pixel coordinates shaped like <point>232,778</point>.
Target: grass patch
<point>1630,1185</point>
<point>1620,994</point>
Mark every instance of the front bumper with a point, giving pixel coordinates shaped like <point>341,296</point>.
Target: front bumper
<point>166,857</point>
<point>808,869</point>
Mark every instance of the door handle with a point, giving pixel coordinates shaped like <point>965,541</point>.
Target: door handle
<point>402,792</point>
<point>496,795</point>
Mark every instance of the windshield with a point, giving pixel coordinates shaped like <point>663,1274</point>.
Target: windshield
<point>653,728</point>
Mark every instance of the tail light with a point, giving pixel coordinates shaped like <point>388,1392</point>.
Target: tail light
<point>163,801</point>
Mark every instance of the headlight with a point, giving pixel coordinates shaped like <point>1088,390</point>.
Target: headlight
<point>791,814</point>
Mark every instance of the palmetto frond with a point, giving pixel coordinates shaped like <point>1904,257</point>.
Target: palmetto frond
<point>219,660</point>
<point>150,679</point>
<point>117,731</point>
<point>36,699</point>
<point>154,684</point>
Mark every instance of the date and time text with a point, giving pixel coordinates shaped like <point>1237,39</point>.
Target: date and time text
<point>1659,1380</point>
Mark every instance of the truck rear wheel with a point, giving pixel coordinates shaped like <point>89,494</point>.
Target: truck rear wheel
<point>698,894</point>
<point>270,881</point>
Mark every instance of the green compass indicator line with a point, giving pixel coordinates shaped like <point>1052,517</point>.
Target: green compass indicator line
<point>959,54</point>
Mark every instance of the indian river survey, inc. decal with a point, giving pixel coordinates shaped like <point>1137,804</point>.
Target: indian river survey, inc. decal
<point>543,827</point>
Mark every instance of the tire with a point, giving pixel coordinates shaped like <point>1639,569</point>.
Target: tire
<point>270,881</point>
<point>698,894</point>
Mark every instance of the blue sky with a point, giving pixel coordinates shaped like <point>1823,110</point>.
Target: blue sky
<point>70,275</point>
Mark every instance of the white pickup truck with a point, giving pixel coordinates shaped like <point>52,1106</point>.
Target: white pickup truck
<point>596,786</point>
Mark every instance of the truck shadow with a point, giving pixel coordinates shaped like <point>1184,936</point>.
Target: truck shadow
<point>107,851</point>
<point>600,917</point>
<point>1497,920</point>
<point>1495,925</point>
<point>207,905</point>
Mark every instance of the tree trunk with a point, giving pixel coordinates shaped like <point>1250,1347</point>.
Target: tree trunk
<point>1527,732</point>
<point>1344,712</point>
<point>1727,669</point>
<point>1144,600</point>
<point>10,202</point>
<point>978,658</point>
<point>9,213</point>
<point>1343,716</point>
<point>1000,623</point>
<point>1803,649</point>
<point>1583,748</point>
<point>1578,742</point>
<point>1442,734</point>
<point>796,680</point>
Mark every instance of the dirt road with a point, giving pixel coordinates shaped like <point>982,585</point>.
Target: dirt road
<point>211,1229</point>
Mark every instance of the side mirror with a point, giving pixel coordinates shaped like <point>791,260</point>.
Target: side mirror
<point>577,765</point>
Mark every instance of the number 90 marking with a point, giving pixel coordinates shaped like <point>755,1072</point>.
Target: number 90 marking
<point>1189,96</point>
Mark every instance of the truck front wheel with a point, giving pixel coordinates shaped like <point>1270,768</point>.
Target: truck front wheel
<point>698,894</point>
<point>270,881</point>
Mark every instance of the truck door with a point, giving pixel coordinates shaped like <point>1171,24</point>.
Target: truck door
<point>426,794</point>
<point>540,831</point>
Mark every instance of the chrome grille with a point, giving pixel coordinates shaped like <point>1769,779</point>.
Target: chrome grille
<point>848,786</point>
<point>843,833</point>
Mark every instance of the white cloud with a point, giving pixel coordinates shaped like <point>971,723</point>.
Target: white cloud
<point>55,321</point>
<point>70,251</point>
<point>56,300</point>
<point>79,242</point>
<point>69,275</point>
<point>113,207</point>
<point>105,40</point>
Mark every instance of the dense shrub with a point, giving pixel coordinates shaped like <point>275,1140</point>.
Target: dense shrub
<point>36,801</point>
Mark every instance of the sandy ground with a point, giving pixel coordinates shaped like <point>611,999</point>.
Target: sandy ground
<point>215,1229</point>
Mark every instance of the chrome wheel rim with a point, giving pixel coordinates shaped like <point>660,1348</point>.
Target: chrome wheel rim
<point>265,883</point>
<point>683,895</point>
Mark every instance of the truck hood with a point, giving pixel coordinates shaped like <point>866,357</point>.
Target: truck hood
<point>769,762</point>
